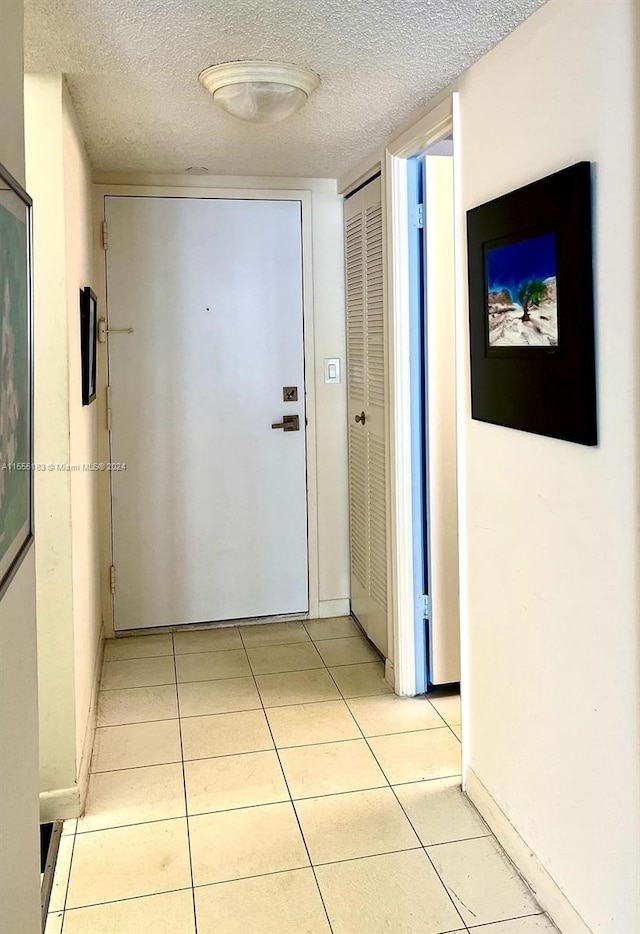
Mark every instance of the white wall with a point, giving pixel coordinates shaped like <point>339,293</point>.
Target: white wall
<point>19,879</point>
<point>329,336</point>
<point>550,570</point>
<point>331,405</point>
<point>87,615</point>
<point>54,593</point>
<point>67,565</point>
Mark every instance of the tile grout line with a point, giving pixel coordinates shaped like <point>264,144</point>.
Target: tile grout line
<point>470,929</point>
<point>66,890</point>
<point>293,807</point>
<point>446,722</point>
<point>316,797</point>
<point>128,898</point>
<point>399,802</point>
<point>114,726</point>
<point>403,810</point>
<point>359,634</point>
<point>249,752</point>
<point>107,726</point>
<point>133,768</point>
<point>184,789</point>
<point>344,699</point>
<point>443,718</point>
<point>424,848</point>
<point>260,674</point>
<point>176,686</point>
<point>221,713</point>
<point>473,928</point>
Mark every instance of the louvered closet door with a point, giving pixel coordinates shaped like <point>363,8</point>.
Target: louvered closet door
<point>367,459</point>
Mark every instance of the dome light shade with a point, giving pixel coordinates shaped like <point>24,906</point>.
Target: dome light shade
<point>259,92</point>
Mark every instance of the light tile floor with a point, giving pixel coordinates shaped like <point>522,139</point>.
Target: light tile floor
<point>265,779</point>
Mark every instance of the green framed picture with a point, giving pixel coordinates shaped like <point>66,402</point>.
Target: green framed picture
<point>16,377</point>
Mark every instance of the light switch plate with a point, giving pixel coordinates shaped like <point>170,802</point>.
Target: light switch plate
<point>332,370</point>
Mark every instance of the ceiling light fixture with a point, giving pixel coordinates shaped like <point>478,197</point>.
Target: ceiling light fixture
<point>260,92</point>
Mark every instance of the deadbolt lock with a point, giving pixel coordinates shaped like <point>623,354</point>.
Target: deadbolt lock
<point>290,394</point>
<point>288,423</point>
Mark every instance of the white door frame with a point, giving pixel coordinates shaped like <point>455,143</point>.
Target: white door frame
<point>435,125</point>
<point>255,194</point>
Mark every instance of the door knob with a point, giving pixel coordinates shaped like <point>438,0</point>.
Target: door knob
<point>361,418</point>
<point>288,423</point>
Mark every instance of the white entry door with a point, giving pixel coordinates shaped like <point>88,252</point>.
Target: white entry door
<point>209,518</point>
<point>366,395</point>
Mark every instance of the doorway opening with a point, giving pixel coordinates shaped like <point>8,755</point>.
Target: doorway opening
<point>423,246</point>
<point>433,443</point>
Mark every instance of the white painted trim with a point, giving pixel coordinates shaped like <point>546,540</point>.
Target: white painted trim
<point>90,728</point>
<point>549,895</point>
<point>432,127</point>
<point>214,190</point>
<point>327,609</point>
<point>462,355</point>
<point>374,159</point>
<point>62,804</point>
<point>313,519</point>
<point>399,407</point>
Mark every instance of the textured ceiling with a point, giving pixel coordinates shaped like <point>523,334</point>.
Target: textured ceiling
<point>132,68</point>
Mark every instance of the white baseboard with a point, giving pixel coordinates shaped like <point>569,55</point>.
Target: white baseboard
<point>62,804</point>
<point>549,895</point>
<point>329,608</point>
<point>90,727</point>
<point>66,803</point>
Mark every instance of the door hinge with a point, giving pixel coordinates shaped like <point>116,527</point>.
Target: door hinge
<point>418,216</point>
<point>112,578</point>
<point>105,236</point>
<point>426,606</point>
<point>108,398</point>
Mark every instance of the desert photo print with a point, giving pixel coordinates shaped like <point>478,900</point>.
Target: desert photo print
<point>522,304</point>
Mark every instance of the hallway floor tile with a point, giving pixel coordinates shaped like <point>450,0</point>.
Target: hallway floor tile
<point>484,885</point>
<point>398,892</point>
<point>225,734</point>
<point>135,744</point>
<point>387,713</point>
<point>307,724</point>
<point>330,768</point>
<point>133,796</point>
<point>415,757</point>
<point>137,673</point>
<point>286,902</point>
<point>266,779</point>
<point>361,680</point>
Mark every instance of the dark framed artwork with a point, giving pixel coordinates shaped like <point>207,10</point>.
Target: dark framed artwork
<point>531,308</point>
<point>16,377</point>
<point>88,343</point>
